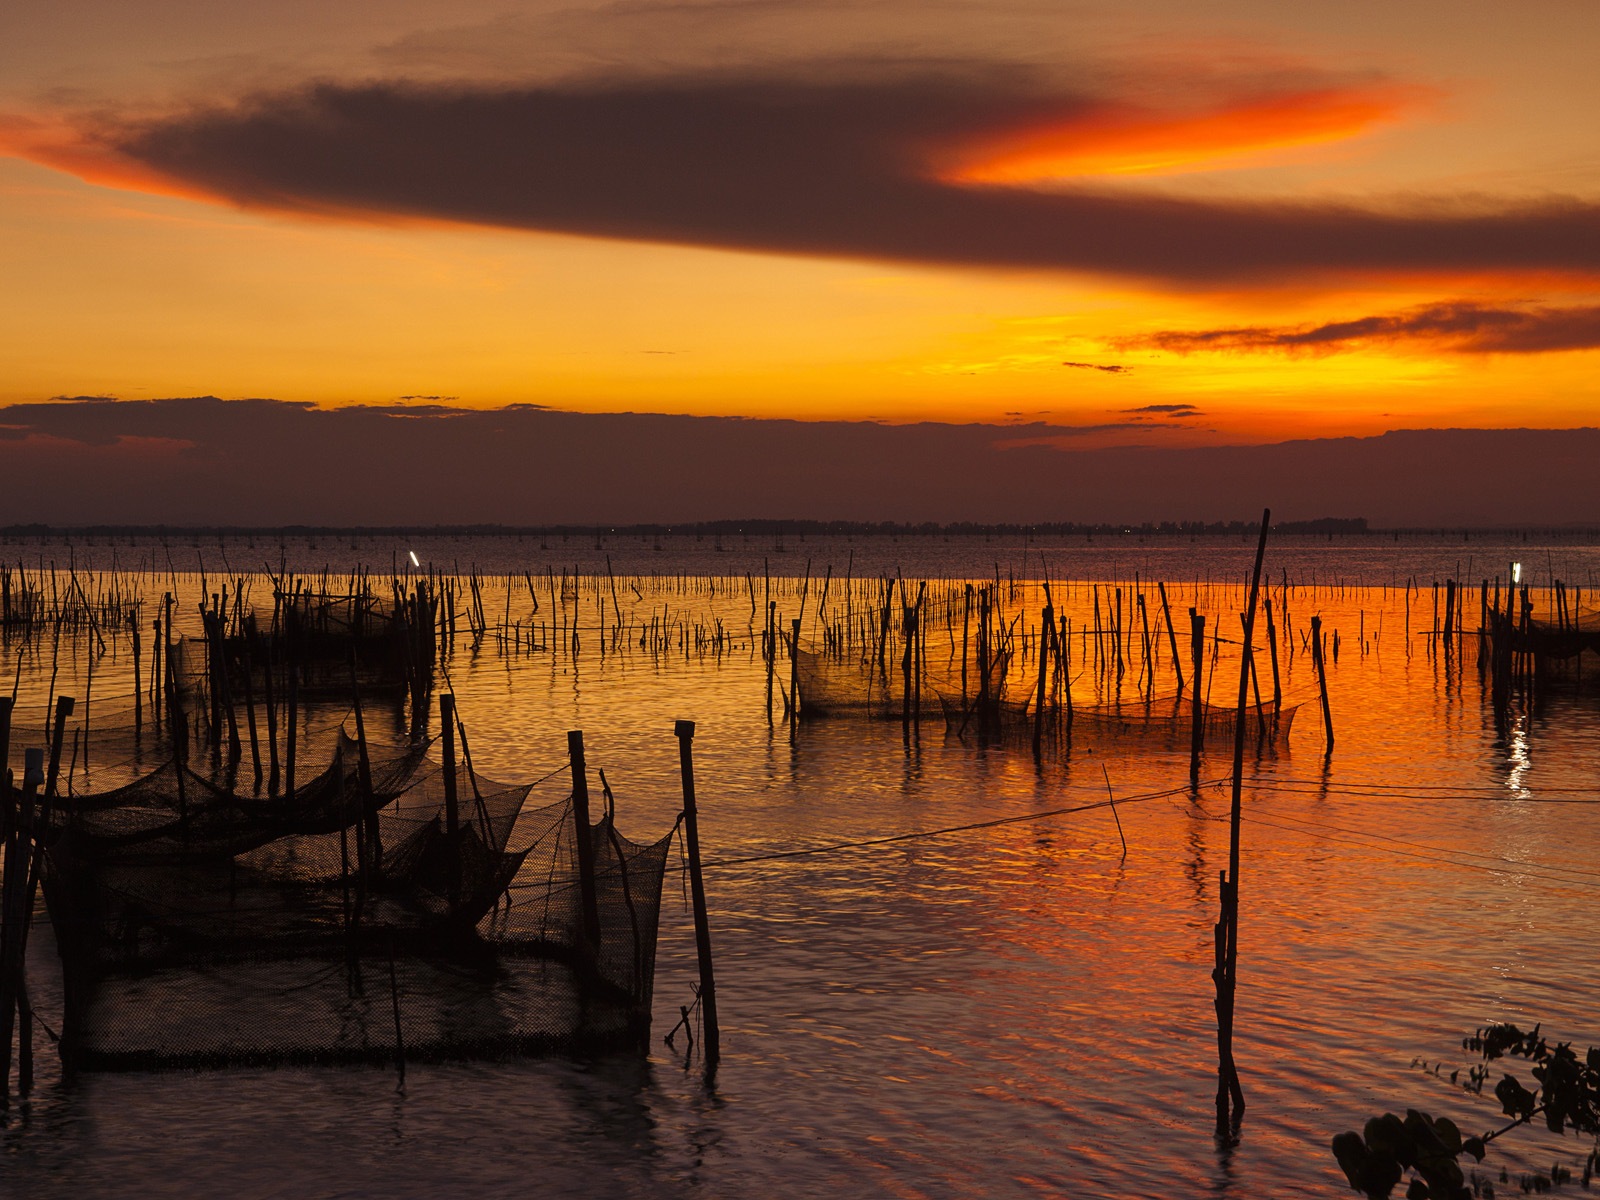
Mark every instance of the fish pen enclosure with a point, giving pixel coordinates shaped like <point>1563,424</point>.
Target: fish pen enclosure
<point>1517,643</point>
<point>320,642</point>
<point>393,905</point>
<point>998,672</point>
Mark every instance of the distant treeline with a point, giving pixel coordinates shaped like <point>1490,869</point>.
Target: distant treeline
<point>762,527</point>
<point>767,527</point>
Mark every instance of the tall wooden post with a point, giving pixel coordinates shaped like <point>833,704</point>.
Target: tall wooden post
<point>697,891</point>
<point>1322,679</point>
<point>1172,634</point>
<point>769,642</point>
<point>247,666</point>
<point>794,671</point>
<point>1047,624</point>
<point>138,679</point>
<point>966,618</point>
<point>1197,647</point>
<point>583,839</point>
<point>291,627</point>
<point>983,657</point>
<point>58,733</point>
<point>452,807</point>
<point>908,635</point>
<point>1272,646</point>
<point>1230,1095</point>
<point>372,861</point>
<point>18,823</point>
<point>1449,614</point>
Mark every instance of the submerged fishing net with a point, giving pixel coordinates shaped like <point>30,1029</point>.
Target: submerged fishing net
<point>1561,637</point>
<point>847,686</point>
<point>989,696</point>
<point>201,923</point>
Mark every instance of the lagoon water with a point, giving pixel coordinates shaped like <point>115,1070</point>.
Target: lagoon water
<point>1017,1009</point>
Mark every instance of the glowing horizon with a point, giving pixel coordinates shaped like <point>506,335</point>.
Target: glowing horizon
<point>1384,234</point>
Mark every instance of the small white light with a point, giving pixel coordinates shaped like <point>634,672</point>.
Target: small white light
<point>414,561</point>
<point>1516,572</point>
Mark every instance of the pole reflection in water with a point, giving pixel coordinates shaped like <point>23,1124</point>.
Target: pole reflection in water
<point>1007,1010</point>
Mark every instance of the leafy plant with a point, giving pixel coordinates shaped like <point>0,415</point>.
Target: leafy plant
<point>1428,1150</point>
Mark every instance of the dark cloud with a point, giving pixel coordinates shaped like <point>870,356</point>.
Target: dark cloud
<point>1052,435</point>
<point>204,461</point>
<point>1171,410</point>
<point>1108,368</point>
<point>439,399</point>
<point>827,166</point>
<point>1460,326</point>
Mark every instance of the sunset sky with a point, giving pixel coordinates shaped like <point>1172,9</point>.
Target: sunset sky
<point>1177,223</point>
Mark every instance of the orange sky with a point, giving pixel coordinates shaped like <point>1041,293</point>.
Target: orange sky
<point>128,276</point>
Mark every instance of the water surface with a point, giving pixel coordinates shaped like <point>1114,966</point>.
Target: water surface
<point>1018,1009</point>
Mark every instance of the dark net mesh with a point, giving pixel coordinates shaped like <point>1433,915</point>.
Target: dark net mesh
<point>834,684</point>
<point>347,920</point>
<point>988,694</point>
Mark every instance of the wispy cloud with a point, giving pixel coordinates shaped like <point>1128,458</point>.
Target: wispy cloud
<point>1459,326</point>
<point>1108,368</point>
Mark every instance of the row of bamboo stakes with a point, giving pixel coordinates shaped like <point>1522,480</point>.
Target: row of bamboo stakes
<point>1127,637</point>
<point>1110,643</point>
<point>24,812</point>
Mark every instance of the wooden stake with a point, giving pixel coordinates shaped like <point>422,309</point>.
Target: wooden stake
<point>583,840</point>
<point>1197,644</point>
<point>794,671</point>
<point>1230,1095</point>
<point>697,891</point>
<point>1172,635</point>
<point>1047,624</point>
<point>452,809</point>
<point>1322,680</point>
<point>1272,646</point>
<point>18,823</point>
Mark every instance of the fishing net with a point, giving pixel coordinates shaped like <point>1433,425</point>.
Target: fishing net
<point>1169,722</point>
<point>350,919</point>
<point>1563,637</point>
<point>989,695</point>
<point>836,684</point>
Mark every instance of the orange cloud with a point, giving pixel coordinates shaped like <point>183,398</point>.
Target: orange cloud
<point>829,168</point>
<point>64,145</point>
<point>1129,140</point>
<point>1457,325</point>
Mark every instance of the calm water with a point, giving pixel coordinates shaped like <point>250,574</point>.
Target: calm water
<point>1016,1010</point>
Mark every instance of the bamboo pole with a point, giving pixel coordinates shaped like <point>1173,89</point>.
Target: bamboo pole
<point>1272,647</point>
<point>1197,644</point>
<point>1322,680</point>
<point>18,821</point>
<point>1172,635</point>
<point>1047,625</point>
<point>697,891</point>
<point>452,808</point>
<point>1230,1095</point>
<point>583,840</point>
<point>794,671</point>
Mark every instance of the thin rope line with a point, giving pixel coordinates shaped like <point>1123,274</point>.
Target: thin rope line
<point>951,829</point>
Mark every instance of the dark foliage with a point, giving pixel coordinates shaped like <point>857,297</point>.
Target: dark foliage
<point>1426,1151</point>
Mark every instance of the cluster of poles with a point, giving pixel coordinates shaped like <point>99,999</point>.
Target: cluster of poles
<point>977,641</point>
<point>25,812</point>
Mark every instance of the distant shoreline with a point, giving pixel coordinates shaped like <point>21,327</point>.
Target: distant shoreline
<point>803,528</point>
